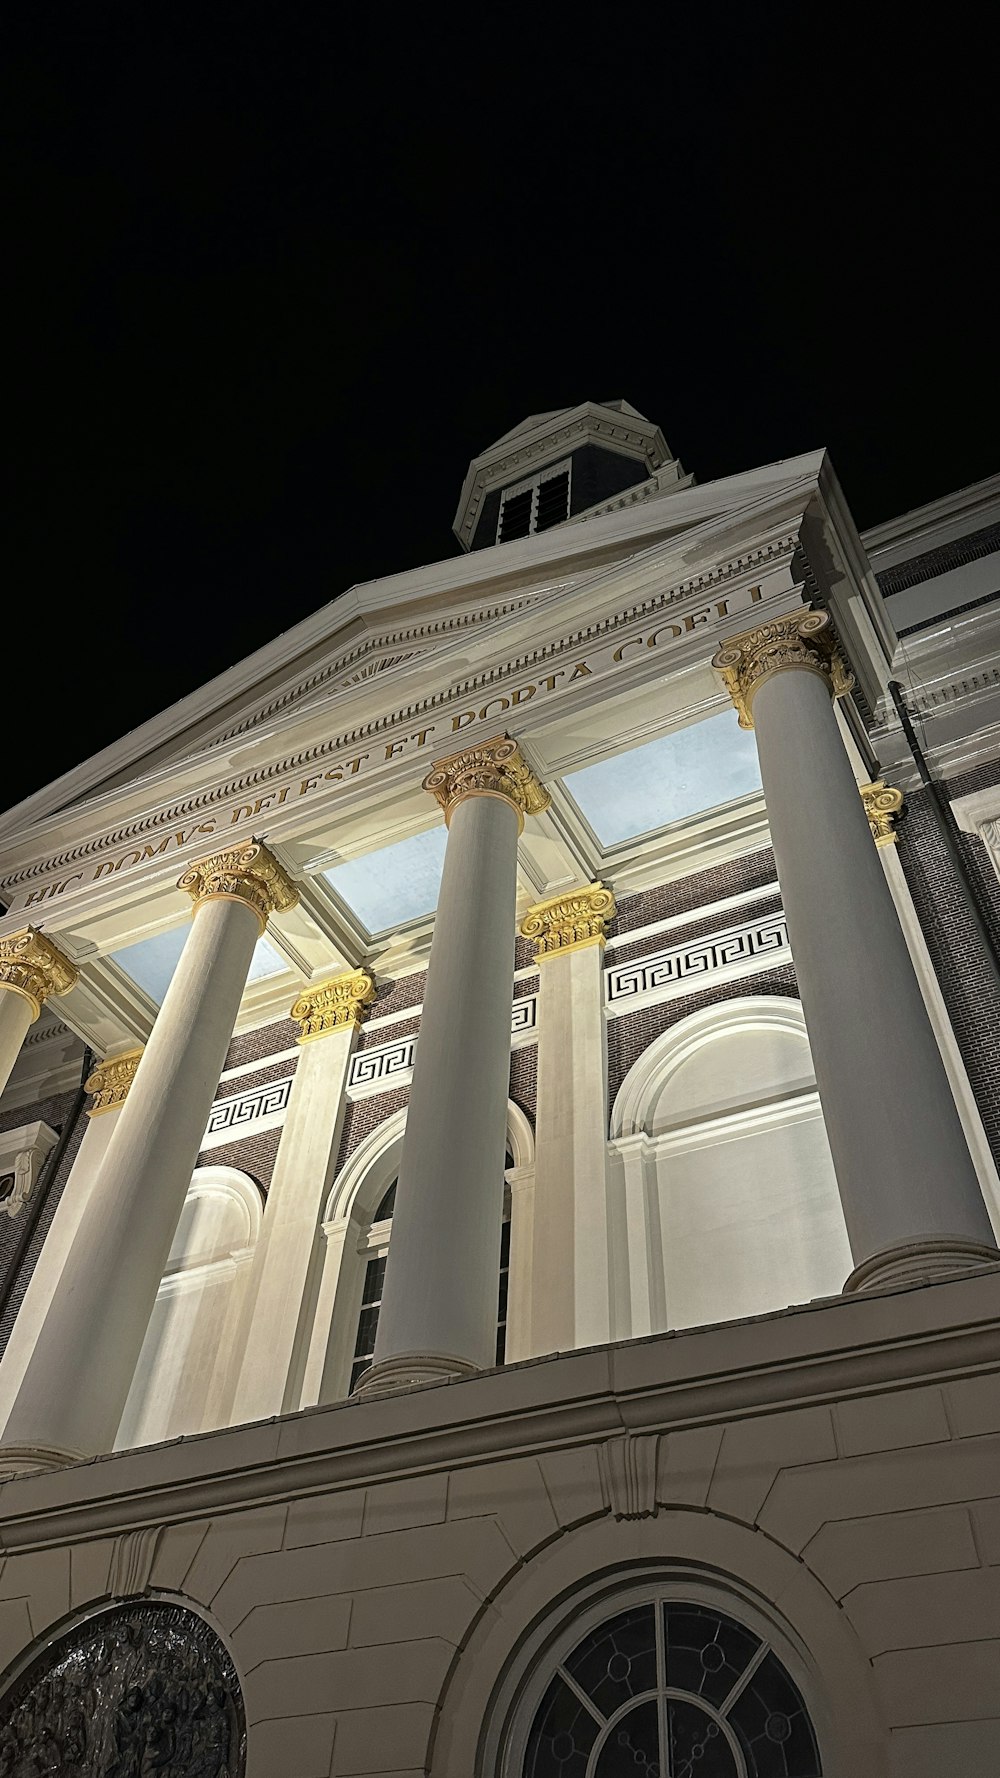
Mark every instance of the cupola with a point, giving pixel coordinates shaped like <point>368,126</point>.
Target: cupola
<point>559,466</point>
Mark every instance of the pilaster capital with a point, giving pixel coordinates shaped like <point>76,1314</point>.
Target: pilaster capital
<point>491,768</point>
<point>110,1081</point>
<point>882,805</point>
<point>30,965</point>
<point>334,1005</point>
<point>805,640</point>
<point>249,874</point>
<point>569,921</point>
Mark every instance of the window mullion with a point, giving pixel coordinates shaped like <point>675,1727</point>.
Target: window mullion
<point>661,1687</point>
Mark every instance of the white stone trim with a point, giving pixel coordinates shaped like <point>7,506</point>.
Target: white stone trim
<point>706,911</point>
<point>388,1065</point>
<point>691,968</point>
<point>264,1107</point>
<point>666,1053</point>
<point>289,1055</point>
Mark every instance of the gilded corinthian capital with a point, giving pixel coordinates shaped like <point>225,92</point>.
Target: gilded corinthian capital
<point>568,922</point>
<point>249,874</point>
<point>492,768</point>
<point>30,965</point>
<point>882,806</point>
<point>332,1005</point>
<point>110,1081</point>
<point>804,640</point>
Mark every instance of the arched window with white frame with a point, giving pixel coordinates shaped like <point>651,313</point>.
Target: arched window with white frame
<point>355,1236</point>
<point>371,1291</point>
<point>730,1200</point>
<point>179,1381</point>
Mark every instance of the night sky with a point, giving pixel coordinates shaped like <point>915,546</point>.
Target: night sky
<point>280,271</point>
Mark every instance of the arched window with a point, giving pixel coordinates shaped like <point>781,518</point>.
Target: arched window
<point>731,1200</point>
<point>371,1294</point>
<point>178,1382</point>
<point>667,1686</point>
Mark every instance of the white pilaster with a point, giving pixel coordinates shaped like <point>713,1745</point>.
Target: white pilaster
<point>331,1337</point>
<point>643,1235</point>
<point>521,1182</point>
<point>573,1302</point>
<point>288,1264</point>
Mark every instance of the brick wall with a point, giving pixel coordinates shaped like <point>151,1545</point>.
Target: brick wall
<point>524,1080</point>
<point>364,1115</point>
<point>267,1040</point>
<point>688,894</point>
<point>253,1154</point>
<point>966,977</point>
<point>694,929</point>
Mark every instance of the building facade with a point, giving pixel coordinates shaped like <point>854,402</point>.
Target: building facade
<point>498,1162</point>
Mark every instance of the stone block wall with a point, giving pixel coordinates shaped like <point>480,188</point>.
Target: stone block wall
<point>375,1568</point>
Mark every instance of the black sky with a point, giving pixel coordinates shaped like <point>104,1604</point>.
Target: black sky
<point>279,271</point>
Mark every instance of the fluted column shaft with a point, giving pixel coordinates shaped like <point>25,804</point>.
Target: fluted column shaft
<point>438,1315</point>
<point>911,1198</point>
<point>78,1377</point>
<point>31,968</point>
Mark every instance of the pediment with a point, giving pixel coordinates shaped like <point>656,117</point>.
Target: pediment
<point>387,630</point>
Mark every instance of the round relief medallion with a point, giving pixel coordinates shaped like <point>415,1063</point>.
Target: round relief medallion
<point>132,1691</point>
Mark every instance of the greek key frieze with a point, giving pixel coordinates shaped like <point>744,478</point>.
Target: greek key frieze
<point>270,1100</point>
<point>687,966</point>
<point>523,1014</point>
<point>379,1068</point>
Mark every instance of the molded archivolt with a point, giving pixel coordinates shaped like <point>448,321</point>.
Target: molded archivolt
<point>374,1164</point>
<point>558,1593</point>
<point>726,1191</point>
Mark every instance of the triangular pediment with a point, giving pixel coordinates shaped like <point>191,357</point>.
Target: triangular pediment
<point>389,629</point>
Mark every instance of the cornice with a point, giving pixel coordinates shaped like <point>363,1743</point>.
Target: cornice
<point>488,575</point>
<point>927,527</point>
<point>199,803</point>
<point>845,1348</point>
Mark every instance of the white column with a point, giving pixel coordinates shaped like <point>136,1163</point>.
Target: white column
<point>109,1084</point>
<point>31,968</point>
<point>911,1199</point>
<point>78,1377</point>
<point>438,1315</point>
<point>288,1262</point>
<point>572,1304</point>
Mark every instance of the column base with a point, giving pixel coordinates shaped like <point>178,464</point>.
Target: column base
<point>411,1370</point>
<point>21,1460</point>
<point>919,1262</point>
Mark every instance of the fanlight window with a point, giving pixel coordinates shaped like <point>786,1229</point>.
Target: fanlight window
<point>671,1689</point>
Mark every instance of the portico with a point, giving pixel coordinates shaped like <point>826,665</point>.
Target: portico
<point>632,652</point>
